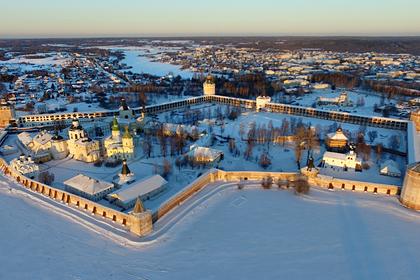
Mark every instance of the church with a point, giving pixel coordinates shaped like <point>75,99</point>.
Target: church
<point>80,146</point>
<point>119,146</point>
<point>44,146</point>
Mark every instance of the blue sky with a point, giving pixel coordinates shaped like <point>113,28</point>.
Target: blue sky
<point>59,18</point>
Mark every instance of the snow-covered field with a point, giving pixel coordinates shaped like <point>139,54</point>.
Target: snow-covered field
<point>249,234</point>
<point>369,98</point>
<point>51,60</point>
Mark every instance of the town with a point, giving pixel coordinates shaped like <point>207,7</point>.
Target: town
<point>135,133</point>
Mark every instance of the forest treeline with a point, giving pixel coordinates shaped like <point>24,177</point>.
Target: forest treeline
<point>353,80</point>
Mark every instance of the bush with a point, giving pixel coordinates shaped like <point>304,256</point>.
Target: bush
<point>365,166</point>
<point>113,163</point>
<point>266,183</point>
<point>46,178</point>
<point>98,163</point>
<point>301,186</point>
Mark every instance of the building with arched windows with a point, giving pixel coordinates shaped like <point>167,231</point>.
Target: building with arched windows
<point>119,146</point>
<point>80,146</point>
<point>209,86</point>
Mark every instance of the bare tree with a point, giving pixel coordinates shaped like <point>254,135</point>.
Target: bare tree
<point>46,177</point>
<point>232,145</point>
<point>166,168</point>
<point>147,147</point>
<point>265,160</point>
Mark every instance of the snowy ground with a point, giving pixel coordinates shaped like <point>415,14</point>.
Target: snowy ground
<point>141,64</point>
<point>51,61</point>
<point>370,99</point>
<point>234,234</point>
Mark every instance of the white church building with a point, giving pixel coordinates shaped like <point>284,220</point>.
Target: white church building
<point>349,160</point>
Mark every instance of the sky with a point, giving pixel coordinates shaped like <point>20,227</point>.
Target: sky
<point>109,18</point>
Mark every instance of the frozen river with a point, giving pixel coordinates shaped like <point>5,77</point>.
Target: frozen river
<point>141,64</point>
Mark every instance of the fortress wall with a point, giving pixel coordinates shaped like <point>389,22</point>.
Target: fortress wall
<point>389,123</point>
<point>236,176</point>
<point>359,186</point>
<point>142,224</point>
<point>186,193</point>
<point>73,200</point>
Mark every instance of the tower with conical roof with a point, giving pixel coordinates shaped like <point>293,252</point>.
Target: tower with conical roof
<point>140,220</point>
<point>125,177</point>
<point>125,170</point>
<point>138,207</point>
<point>115,128</point>
<point>127,141</point>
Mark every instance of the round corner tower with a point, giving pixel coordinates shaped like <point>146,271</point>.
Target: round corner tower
<point>415,117</point>
<point>410,196</point>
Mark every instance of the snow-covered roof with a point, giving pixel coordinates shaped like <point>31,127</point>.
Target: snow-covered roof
<point>87,184</point>
<point>204,153</point>
<point>335,155</point>
<point>339,135</point>
<point>25,138</point>
<point>140,188</point>
<point>390,167</point>
<point>42,138</point>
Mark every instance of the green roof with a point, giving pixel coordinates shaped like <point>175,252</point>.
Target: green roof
<point>115,126</point>
<point>127,133</point>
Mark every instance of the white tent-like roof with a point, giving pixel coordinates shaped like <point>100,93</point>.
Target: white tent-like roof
<point>390,167</point>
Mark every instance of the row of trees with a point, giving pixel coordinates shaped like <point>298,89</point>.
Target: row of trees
<point>393,88</point>
<point>247,86</point>
<point>339,79</point>
<point>300,184</point>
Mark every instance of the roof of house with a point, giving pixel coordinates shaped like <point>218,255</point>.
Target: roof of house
<point>335,155</point>
<point>25,138</point>
<point>42,138</point>
<point>140,188</point>
<point>338,135</point>
<point>87,184</point>
<point>204,152</point>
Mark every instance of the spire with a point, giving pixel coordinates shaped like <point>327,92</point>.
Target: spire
<point>115,126</point>
<point>125,170</point>
<point>138,207</point>
<point>126,133</point>
<point>124,105</point>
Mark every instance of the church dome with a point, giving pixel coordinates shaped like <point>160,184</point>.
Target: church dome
<point>75,124</point>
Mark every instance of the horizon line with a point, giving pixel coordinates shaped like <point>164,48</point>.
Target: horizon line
<point>210,35</point>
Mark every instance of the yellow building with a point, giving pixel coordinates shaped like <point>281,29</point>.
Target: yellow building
<point>7,113</point>
<point>209,86</point>
<point>117,146</point>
